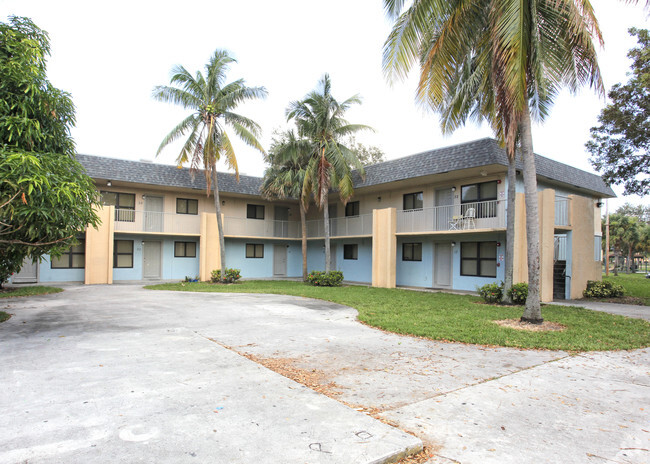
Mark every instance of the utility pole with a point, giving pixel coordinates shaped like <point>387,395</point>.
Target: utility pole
<point>607,237</point>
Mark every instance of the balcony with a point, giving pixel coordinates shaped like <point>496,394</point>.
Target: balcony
<point>459,217</point>
<point>243,227</point>
<point>341,226</point>
<point>152,222</point>
<point>562,205</point>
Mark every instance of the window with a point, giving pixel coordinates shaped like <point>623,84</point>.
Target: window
<point>352,209</point>
<point>350,251</point>
<point>413,201</point>
<point>73,258</point>
<point>598,248</point>
<point>123,253</point>
<point>255,211</point>
<point>124,205</point>
<point>478,259</point>
<point>184,249</point>
<point>411,252</point>
<point>187,206</point>
<point>475,193</point>
<point>254,250</point>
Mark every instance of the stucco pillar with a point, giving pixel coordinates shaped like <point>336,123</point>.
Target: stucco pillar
<point>99,248</point>
<point>384,247</point>
<point>210,252</point>
<point>583,265</point>
<point>520,262</point>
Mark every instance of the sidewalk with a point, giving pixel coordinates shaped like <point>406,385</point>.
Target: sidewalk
<point>636,311</point>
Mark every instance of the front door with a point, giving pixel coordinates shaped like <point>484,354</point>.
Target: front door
<point>333,256</point>
<point>153,214</point>
<point>443,216</point>
<point>280,260</point>
<point>442,265</point>
<point>151,260</point>
<point>28,273</point>
<point>281,224</point>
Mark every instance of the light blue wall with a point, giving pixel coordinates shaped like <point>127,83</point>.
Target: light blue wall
<point>569,263</point>
<point>47,274</point>
<point>262,267</point>
<point>415,273</point>
<point>316,255</point>
<point>469,282</point>
<point>359,270</point>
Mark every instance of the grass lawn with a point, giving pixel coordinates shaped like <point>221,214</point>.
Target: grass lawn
<point>28,291</point>
<point>635,285</point>
<point>460,318</point>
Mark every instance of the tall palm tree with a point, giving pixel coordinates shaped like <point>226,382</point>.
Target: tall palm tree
<point>284,178</point>
<point>212,102</point>
<point>320,119</point>
<point>528,50</point>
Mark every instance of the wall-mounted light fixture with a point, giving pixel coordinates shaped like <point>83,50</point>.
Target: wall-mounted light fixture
<point>109,184</point>
<point>599,204</point>
<point>379,199</point>
<point>453,189</point>
<point>453,243</point>
<point>223,202</point>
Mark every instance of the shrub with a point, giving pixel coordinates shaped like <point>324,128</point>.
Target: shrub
<point>518,293</point>
<point>232,275</point>
<point>491,293</point>
<point>325,279</point>
<point>603,289</point>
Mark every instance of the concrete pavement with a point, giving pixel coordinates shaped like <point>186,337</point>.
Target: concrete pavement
<point>159,386</point>
<point>635,311</point>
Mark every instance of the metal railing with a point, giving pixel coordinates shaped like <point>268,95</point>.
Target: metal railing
<point>562,205</point>
<point>465,216</point>
<point>244,227</point>
<point>341,226</point>
<point>128,220</point>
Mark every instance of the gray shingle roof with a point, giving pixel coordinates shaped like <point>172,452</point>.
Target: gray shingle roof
<point>162,174</point>
<point>474,154</point>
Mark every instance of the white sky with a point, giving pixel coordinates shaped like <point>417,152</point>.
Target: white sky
<point>110,55</point>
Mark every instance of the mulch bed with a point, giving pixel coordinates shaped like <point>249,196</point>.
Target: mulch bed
<point>545,326</point>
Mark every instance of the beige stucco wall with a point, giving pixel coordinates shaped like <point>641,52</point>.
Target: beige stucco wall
<point>210,252</point>
<point>583,265</point>
<point>384,247</point>
<point>99,248</point>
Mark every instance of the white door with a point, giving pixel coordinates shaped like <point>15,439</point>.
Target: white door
<point>280,260</point>
<point>153,214</point>
<point>443,216</point>
<point>151,260</point>
<point>333,257</point>
<point>28,273</point>
<point>442,265</point>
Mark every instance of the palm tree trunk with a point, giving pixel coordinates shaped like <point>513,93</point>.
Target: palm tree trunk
<point>303,225</point>
<point>326,225</point>
<point>217,207</point>
<point>533,311</point>
<point>510,229</point>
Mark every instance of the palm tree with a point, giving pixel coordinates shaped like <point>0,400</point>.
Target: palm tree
<point>212,102</point>
<point>319,118</point>
<point>528,51</point>
<point>284,178</point>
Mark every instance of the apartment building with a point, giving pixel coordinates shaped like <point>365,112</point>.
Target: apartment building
<point>435,219</point>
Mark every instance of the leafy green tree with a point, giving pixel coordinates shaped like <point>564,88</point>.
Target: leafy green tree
<point>212,103</point>
<point>620,145</point>
<point>640,211</point>
<point>288,158</point>
<point>320,119</point>
<point>526,52</point>
<point>626,235</point>
<point>46,198</point>
<point>367,154</point>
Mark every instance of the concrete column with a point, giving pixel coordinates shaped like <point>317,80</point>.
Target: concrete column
<point>384,247</point>
<point>210,253</point>
<point>99,248</point>
<point>583,265</point>
<point>520,264</point>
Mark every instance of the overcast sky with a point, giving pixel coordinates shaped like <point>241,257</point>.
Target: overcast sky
<point>110,55</point>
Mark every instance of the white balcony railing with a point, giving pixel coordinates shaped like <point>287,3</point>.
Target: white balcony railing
<point>244,227</point>
<point>341,226</point>
<point>128,220</point>
<point>562,205</point>
<point>466,216</point>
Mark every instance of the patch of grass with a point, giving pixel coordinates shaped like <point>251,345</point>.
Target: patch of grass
<point>635,285</point>
<point>28,291</point>
<point>460,318</point>
<point>4,316</point>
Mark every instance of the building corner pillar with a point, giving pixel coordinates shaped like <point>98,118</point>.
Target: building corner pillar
<point>384,247</point>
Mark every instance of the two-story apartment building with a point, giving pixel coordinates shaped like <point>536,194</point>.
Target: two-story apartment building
<point>435,219</point>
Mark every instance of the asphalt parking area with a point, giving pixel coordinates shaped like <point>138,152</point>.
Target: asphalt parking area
<point>128,373</point>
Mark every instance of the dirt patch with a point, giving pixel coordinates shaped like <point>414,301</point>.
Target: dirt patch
<point>545,326</point>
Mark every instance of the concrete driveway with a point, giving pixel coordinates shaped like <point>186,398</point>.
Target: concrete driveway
<point>122,374</point>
